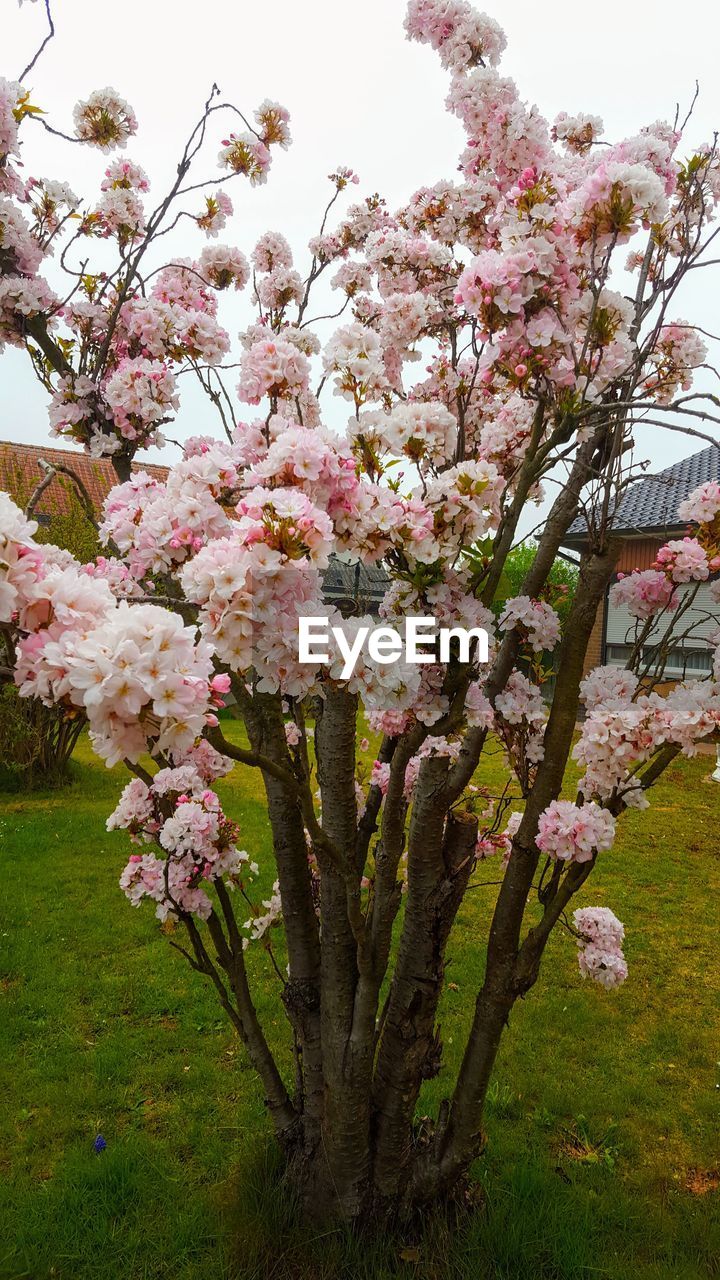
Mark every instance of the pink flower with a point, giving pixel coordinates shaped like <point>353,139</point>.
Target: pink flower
<point>679,350</point>
<point>105,120</point>
<point>683,560</point>
<point>380,776</point>
<point>572,833</point>
<point>644,593</point>
<point>535,617</point>
<point>196,843</point>
<point>245,153</point>
<point>271,252</point>
<point>272,367</point>
<point>703,504</point>
<point>222,267</point>
<point>218,208</point>
<point>462,36</point>
<point>600,946</point>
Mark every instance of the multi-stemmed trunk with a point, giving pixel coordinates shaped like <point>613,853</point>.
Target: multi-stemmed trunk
<point>365,960</point>
<point>366,965</point>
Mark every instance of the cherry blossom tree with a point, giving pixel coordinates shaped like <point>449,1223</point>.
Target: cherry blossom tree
<point>538,289</point>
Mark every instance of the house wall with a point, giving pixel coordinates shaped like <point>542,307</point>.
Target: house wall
<point>594,652</point>
<point>694,630</point>
<point>637,553</point>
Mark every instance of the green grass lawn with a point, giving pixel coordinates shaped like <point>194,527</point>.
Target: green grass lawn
<point>603,1152</point>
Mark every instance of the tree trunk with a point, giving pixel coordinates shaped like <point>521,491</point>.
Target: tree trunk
<point>459,1139</point>
<point>410,1047</point>
<point>345,1165</point>
<point>301,997</point>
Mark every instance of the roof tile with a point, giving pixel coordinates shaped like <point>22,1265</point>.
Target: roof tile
<point>652,503</point>
<point>20,474</point>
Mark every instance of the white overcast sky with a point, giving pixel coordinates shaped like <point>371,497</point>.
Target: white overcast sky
<point>358,93</point>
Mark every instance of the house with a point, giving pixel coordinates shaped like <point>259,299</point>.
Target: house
<point>353,588</point>
<point>21,471</point>
<point>646,517</point>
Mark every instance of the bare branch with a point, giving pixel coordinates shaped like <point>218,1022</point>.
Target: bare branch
<point>44,44</point>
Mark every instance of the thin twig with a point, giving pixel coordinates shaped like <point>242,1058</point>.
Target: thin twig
<point>45,42</point>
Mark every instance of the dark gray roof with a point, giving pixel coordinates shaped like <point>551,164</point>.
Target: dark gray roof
<point>364,583</point>
<point>650,505</point>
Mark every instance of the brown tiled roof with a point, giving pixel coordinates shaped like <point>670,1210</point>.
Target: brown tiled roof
<point>20,474</point>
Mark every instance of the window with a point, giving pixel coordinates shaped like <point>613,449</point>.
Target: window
<point>679,664</point>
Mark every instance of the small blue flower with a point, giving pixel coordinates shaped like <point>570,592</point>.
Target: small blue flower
<point>99,1144</point>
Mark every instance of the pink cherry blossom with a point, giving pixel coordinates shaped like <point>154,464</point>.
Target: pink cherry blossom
<point>600,946</point>
<point>534,617</point>
<point>574,833</point>
<point>703,504</point>
<point>272,367</point>
<point>645,593</point>
<point>222,266</point>
<point>105,120</point>
<point>218,208</point>
<point>683,560</point>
